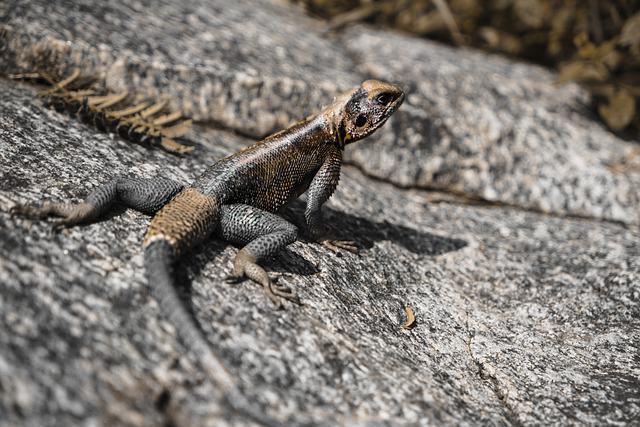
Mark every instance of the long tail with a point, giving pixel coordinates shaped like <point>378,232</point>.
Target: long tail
<point>159,260</point>
<point>159,270</point>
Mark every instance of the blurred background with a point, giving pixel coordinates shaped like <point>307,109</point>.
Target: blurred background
<point>593,42</point>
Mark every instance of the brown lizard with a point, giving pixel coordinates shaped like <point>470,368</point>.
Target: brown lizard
<point>237,198</point>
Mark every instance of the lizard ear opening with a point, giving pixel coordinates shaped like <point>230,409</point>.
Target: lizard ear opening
<point>361,120</point>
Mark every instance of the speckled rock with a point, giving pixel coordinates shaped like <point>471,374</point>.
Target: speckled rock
<point>522,319</point>
<point>473,124</point>
<point>493,129</point>
<point>254,78</point>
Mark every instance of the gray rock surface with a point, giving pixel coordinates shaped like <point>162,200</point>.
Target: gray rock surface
<point>521,318</point>
<point>255,78</point>
<point>474,124</point>
<point>487,127</point>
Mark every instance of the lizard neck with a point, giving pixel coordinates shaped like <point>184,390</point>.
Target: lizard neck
<point>312,133</point>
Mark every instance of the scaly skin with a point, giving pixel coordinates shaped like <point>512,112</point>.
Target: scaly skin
<point>236,198</point>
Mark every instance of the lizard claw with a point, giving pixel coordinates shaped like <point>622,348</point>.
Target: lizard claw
<point>245,265</point>
<point>60,224</point>
<point>57,226</point>
<point>283,291</point>
<point>32,212</point>
<point>234,280</point>
<point>278,292</point>
<point>246,268</point>
<point>71,214</point>
<point>336,245</point>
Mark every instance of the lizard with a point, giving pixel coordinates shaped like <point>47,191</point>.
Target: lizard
<point>237,198</point>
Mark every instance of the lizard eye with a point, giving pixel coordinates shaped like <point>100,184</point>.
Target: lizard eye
<point>384,98</point>
<point>361,120</point>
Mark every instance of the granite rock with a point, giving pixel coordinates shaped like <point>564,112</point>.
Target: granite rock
<point>493,129</point>
<point>474,124</point>
<point>522,318</point>
<point>201,54</point>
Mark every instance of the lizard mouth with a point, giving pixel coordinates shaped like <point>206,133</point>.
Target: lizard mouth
<point>395,104</point>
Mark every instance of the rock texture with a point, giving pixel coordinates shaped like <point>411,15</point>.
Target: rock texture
<point>253,77</point>
<point>489,128</point>
<point>522,318</point>
<point>474,124</point>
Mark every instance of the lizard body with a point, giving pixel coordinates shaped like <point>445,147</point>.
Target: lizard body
<point>237,198</point>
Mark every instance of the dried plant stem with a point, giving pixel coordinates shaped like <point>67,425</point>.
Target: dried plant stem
<point>450,21</point>
<point>143,122</point>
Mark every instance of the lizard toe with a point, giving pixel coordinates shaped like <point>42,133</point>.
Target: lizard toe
<point>284,292</point>
<point>33,212</point>
<point>234,280</point>
<point>275,299</point>
<point>59,225</point>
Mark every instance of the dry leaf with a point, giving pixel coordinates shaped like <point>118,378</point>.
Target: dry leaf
<point>530,12</point>
<point>112,100</point>
<point>411,318</point>
<point>63,83</point>
<point>500,41</point>
<point>630,34</point>
<point>620,110</point>
<point>128,111</point>
<point>581,71</point>
<point>135,123</point>
<point>172,146</point>
<point>176,131</point>
<point>155,108</point>
<point>167,118</point>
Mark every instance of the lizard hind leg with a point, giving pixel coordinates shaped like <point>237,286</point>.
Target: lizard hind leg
<point>263,234</point>
<point>144,195</point>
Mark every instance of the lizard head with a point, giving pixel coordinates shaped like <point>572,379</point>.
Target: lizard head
<point>360,112</point>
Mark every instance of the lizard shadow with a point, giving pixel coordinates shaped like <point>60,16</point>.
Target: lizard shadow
<point>362,231</point>
<point>190,266</point>
<point>365,232</point>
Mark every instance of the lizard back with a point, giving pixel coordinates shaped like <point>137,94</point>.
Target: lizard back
<point>273,171</point>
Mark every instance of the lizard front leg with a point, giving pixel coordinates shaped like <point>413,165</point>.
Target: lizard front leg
<point>263,234</point>
<point>320,190</point>
<point>144,195</point>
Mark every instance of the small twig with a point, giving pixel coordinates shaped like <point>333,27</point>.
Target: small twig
<point>127,111</point>
<point>354,15</point>
<point>358,14</point>
<point>24,76</point>
<point>143,122</point>
<point>450,21</point>
<point>61,84</point>
<point>596,24</point>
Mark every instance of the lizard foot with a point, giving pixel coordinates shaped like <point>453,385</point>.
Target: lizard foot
<point>283,291</point>
<point>71,213</point>
<point>336,245</point>
<point>32,212</point>
<point>245,266</point>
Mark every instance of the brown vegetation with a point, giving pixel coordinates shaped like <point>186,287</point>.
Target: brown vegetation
<point>593,42</point>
